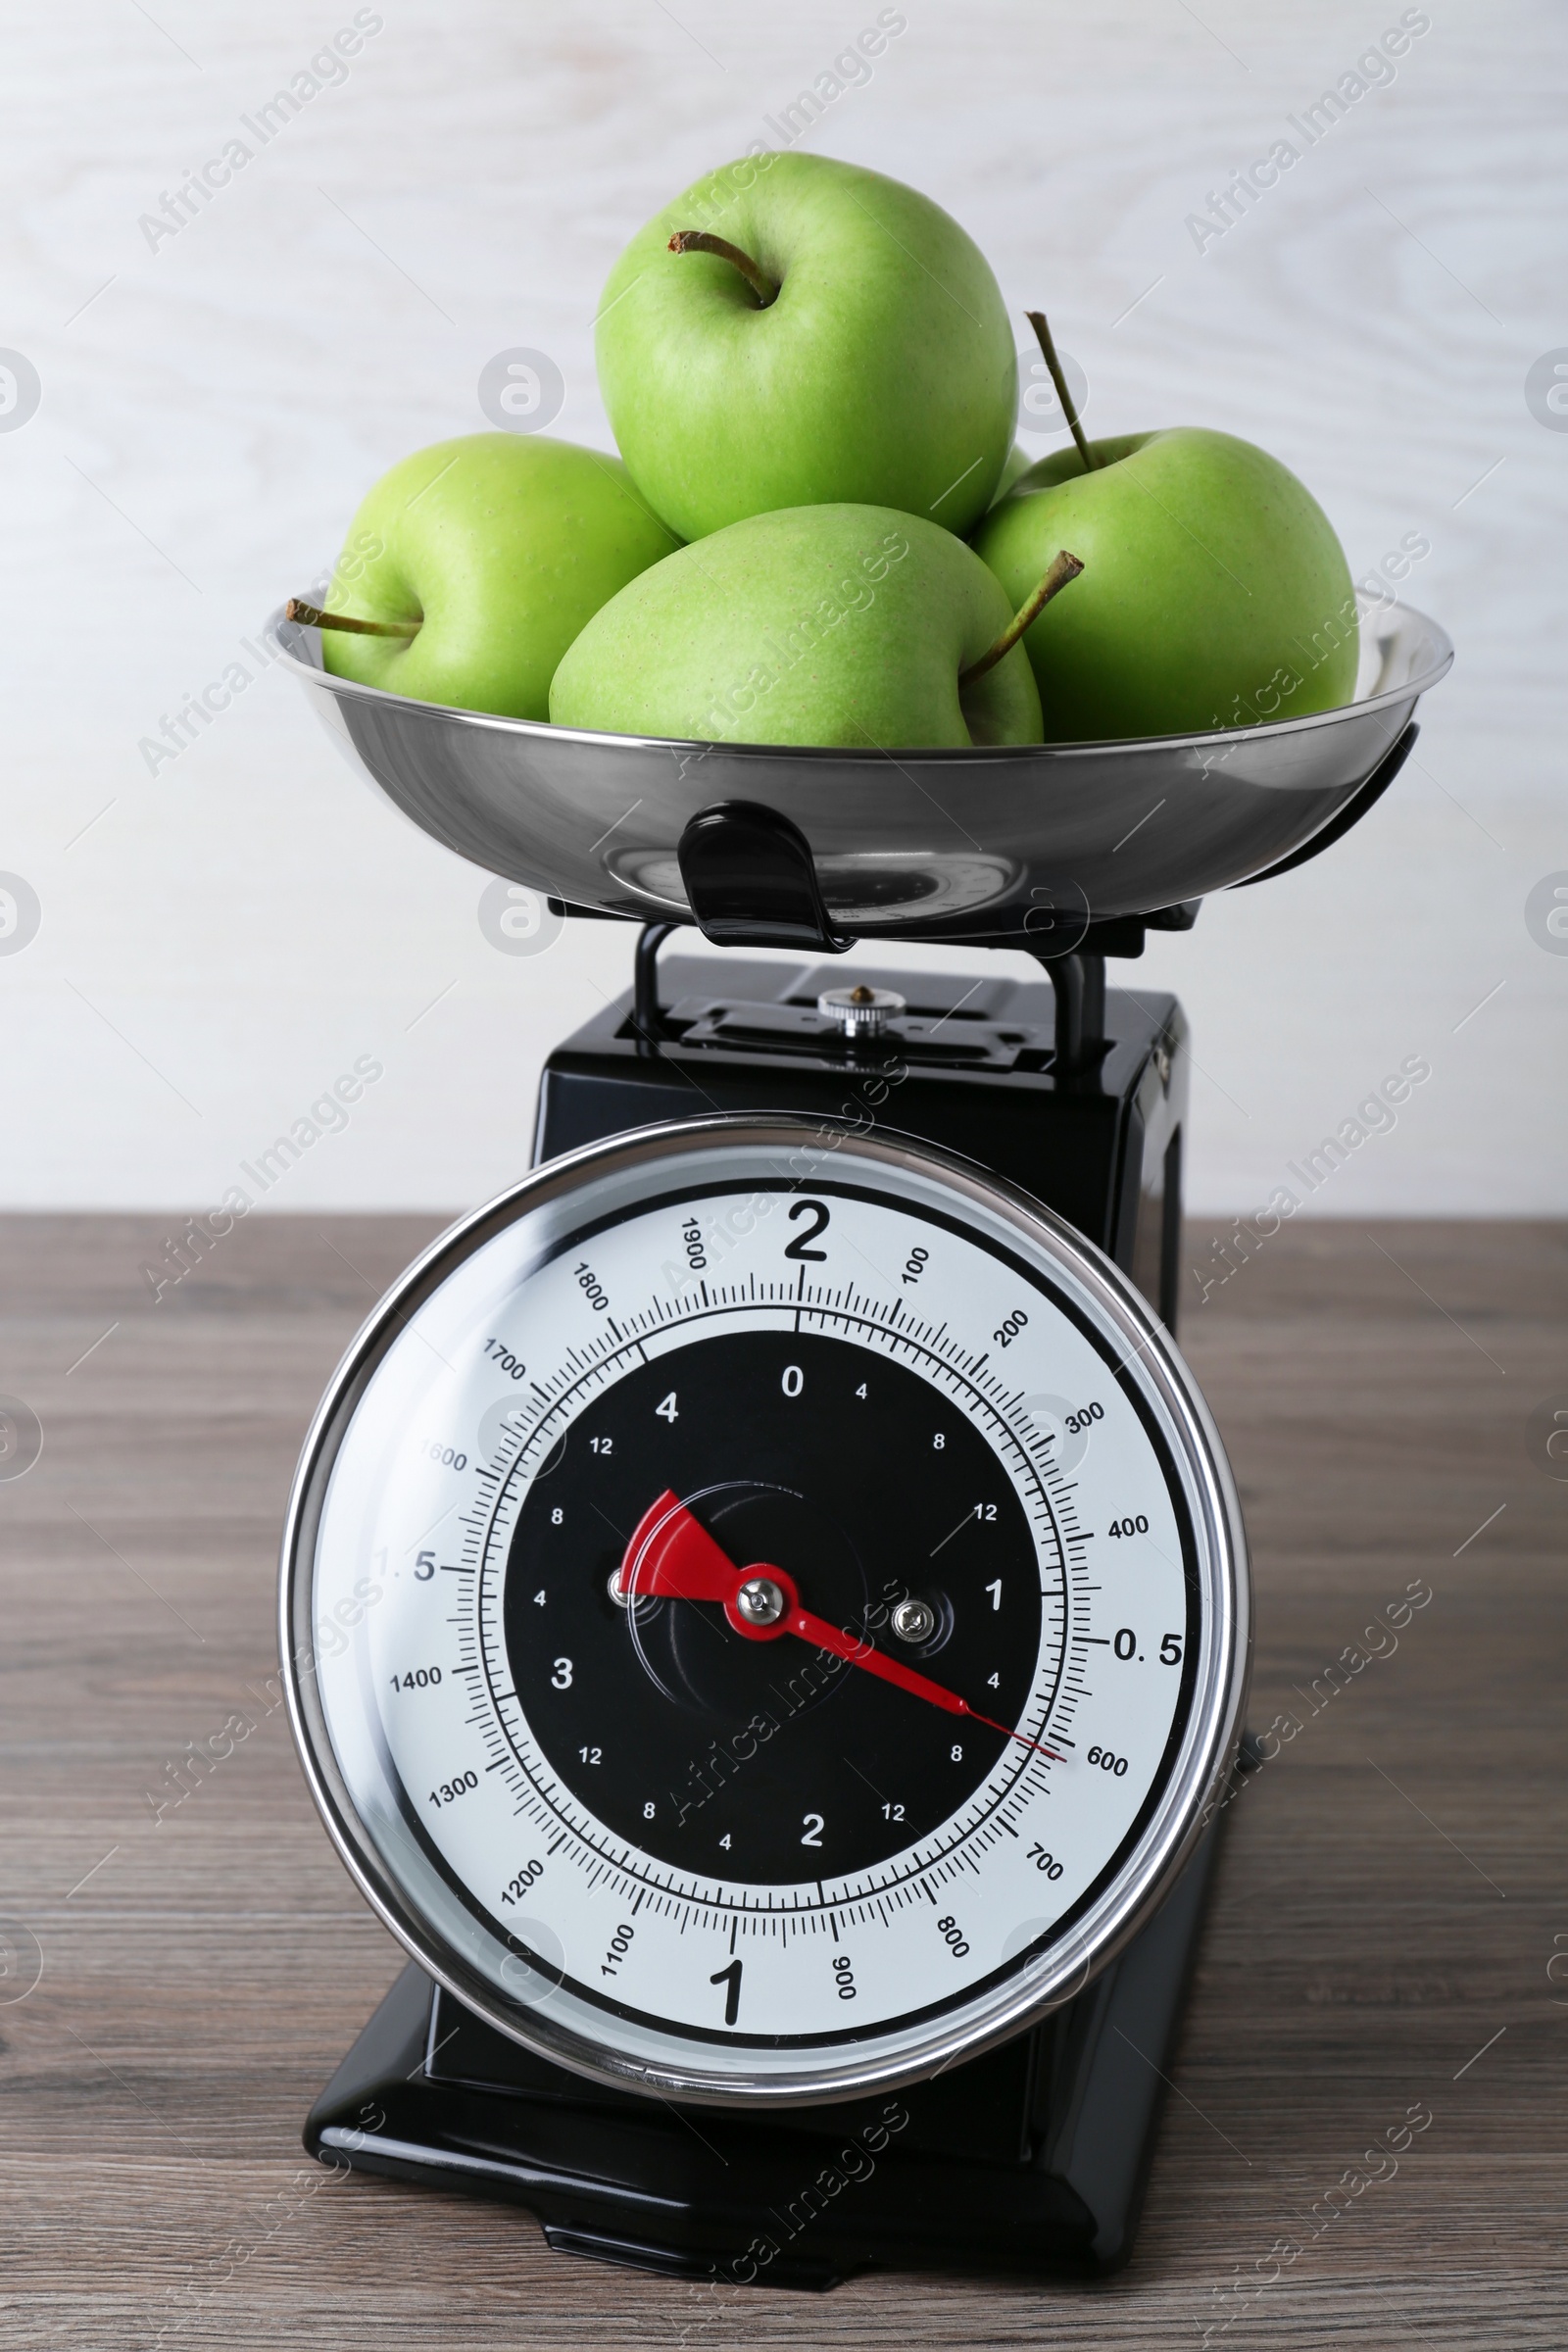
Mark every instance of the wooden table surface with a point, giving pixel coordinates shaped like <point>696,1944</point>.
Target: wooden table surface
<point>1383,1940</point>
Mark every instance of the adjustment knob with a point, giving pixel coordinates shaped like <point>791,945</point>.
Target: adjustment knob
<point>860,1011</point>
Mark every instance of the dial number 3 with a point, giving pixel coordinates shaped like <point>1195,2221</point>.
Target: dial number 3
<point>561,1680</point>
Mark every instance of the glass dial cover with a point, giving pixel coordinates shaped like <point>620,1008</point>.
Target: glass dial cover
<point>764,1610</point>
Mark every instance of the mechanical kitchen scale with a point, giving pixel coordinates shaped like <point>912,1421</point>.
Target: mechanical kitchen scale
<point>765,1609</point>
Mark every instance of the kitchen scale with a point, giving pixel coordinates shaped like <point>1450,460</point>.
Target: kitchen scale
<point>764,1609</point>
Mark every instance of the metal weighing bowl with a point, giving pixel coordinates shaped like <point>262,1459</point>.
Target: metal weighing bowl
<point>915,844</point>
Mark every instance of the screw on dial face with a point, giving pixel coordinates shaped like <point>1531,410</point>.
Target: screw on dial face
<point>760,1599</point>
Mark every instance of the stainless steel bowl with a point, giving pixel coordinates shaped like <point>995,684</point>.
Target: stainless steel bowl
<point>932,845</point>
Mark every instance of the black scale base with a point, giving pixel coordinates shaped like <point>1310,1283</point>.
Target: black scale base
<point>1031,2158</point>
<point>1035,2156</point>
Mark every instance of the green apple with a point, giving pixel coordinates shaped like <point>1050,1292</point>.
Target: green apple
<point>1018,462</point>
<point>1215,593</point>
<point>851,626</point>
<point>796,331</point>
<point>472,566</point>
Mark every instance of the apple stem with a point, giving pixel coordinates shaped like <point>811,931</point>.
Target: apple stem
<point>1063,568</point>
<point>314,618</point>
<point>1048,349</point>
<point>698,240</point>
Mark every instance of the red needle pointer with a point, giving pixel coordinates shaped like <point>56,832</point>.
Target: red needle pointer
<point>672,1556</point>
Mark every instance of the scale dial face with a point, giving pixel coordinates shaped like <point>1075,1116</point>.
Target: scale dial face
<point>764,1610</point>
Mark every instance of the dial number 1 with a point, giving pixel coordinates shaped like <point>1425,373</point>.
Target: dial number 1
<point>731,1978</point>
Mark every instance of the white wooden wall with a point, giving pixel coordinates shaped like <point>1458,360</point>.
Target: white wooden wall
<point>221,939</point>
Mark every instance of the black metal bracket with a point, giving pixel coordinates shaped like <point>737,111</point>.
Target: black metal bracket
<point>648,1017</point>
<point>1124,934</point>
<point>1078,979</point>
<point>1079,982</point>
<point>1356,808</point>
<point>751,880</point>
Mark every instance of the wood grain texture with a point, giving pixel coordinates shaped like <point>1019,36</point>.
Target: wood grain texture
<point>1388,1902</point>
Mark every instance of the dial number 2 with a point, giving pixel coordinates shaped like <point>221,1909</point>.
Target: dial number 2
<point>801,1246</point>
